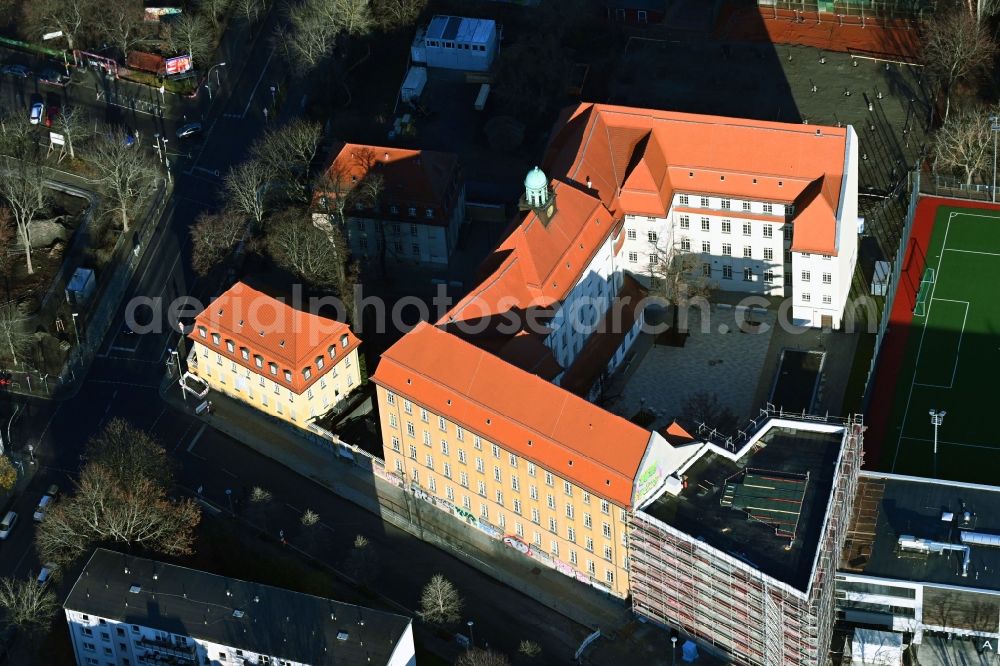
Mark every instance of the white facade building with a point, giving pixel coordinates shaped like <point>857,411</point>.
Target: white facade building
<point>455,42</point>
<point>129,611</point>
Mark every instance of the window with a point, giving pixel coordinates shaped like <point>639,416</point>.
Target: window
<point>827,257</point>
<point>706,247</point>
<point>768,208</point>
<point>463,479</point>
<point>683,200</point>
<point>769,276</point>
<point>450,493</point>
<point>479,465</point>
<point>202,331</point>
<point>589,544</point>
<point>827,278</point>
<point>414,249</point>
<point>652,259</point>
<point>727,226</point>
<point>633,257</point>
<point>482,488</point>
<point>607,553</point>
<point>788,256</point>
<point>727,250</point>
<point>788,232</point>
<point>806,255</point>
<point>727,272</point>
<point>442,424</point>
<point>517,506</point>
<point>704,202</point>
<point>651,236</point>
<point>461,456</point>
<point>444,447</point>
<point>500,497</point>
<point>395,443</point>
<point>806,297</point>
<point>533,492</point>
<point>412,211</point>
<point>768,254</point>
<point>572,557</point>
<point>550,501</point>
<point>459,433</point>
<point>413,452</point>
<point>514,483</point>
<point>215,338</point>
<point>746,205</point>
<point>496,451</point>
<point>466,502</point>
<point>726,204</point>
<point>768,230</point>
<point>534,516</point>
<point>571,534</point>
<point>631,234</point>
<point>706,270</point>
<point>548,479</point>
<point>805,276</point>
<point>484,511</point>
<point>747,252</point>
<point>423,415</point>
<point>87,631</point>
<point>609,576</point>
<point>685,222</point>
<point>555,548</point>
<point>606,530</point>
<point>747,275</point>
<point>496,474</point>
<point>393,422</point>
<point>427,438</point>
<point>705,224</point>
<point>686,244</point>
<point>407,406</point>
<point>410,430</point>
<point>512,459</point>
<point>827,300</point>
<point>258,360</point>
<point>553,526</point>
<point>605,507</point>
<point>531,469</point>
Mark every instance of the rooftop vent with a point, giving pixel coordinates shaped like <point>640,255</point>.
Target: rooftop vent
<point>135,589</point>
<point>241,323</point>
<point>237,613</point>
<point>947,516</point>
<point>341,635</point>
<point>282,344</point>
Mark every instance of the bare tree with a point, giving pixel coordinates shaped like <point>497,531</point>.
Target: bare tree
<point>392,15</point>
<point>8,475</point>
<point>128,174</point>
<point>440,602</point>
<point>362,561</point>
<point>529,649</point>
<point>250,9</point>
<point>964,144</point>
<point>314,26</point>
<point>705,407</point>
<point>193,34</point>
<point>482,657</point>
<point>299,247</point>
<point>532,76</point>
<point>74,125</point>
<point>14,337</point>
<point>130,454</point>
<point>26,603</point>
<point>70,17</point>
<point>22,185</point>
<point>214,10</point>
<point>120,23</point>
<point>213,237</point>
<point>956,46</point>
<point>288,152</point>
<point>334,198</point>
<point>309,518</point>
<point>246,186</point>
<point>677,276</point>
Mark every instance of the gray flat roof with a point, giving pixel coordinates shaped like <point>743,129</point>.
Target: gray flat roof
<point>275,622</point>
<point>912,506</point>
<point>698,510</point>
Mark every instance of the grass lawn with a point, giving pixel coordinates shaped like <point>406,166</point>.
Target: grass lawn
<point>952,356</point>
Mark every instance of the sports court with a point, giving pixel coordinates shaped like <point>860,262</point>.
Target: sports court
<point>952,354</point>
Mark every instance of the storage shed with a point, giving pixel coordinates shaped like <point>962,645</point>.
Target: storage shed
<point>413,84</point>
<point>81,287</point>
<point>455,42</point>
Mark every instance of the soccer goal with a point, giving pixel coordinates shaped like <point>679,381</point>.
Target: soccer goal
<point>924,293</point>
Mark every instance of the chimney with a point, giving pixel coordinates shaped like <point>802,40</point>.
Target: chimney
<point>387,156</point>
<point>589,183</point>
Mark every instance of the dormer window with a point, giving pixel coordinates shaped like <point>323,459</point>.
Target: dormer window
<point>273,367</point>
<point>332,351</point>
<point>288,375</point>
<point>307,373</point>
<point>258,360</point>
<point>230,346</point>
<point>319,362</point>
<point>215,338</point>
<point>344,340</point>
<point>245,353</point>
<point>412,211</point>
<point>202,331</point>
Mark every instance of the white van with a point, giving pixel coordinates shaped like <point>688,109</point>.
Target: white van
<point>43,506</point>
<point>7,524</point>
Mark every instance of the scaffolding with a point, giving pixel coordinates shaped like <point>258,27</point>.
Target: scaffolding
<point>680,581</point>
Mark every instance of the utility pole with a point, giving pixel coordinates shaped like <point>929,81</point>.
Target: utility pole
<point>937,418</point>
<point>995,126</point>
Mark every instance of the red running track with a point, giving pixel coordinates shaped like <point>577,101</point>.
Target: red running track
<point>892,356</point>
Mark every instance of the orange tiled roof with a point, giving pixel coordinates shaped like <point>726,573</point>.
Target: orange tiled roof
<point>529,416</point>
<point>419,178</point>
<point>290,338</point>
<point>636,159</point>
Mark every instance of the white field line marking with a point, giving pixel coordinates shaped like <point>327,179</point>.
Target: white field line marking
<point>988,254</point>
<point>958,349</point>
<point>944,441</point>
<point>196,437</point>
<point>930,305</point>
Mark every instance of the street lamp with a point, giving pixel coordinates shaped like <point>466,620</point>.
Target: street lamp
<point>208,78</point>
<point>472,639</point>
<point>937,418</point>
<point>995,126</point>
<point>76,330</point>
<point>673,649</point>
<point>180,379</point>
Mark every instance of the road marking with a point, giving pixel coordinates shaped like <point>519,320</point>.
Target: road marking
<point>228,472</point>
<point>253,94</point>
<point>157,419</point>
<point>197,436</point>
<point>292,508</point>
<point>111,402</point>
<point>41,435</point>
<point>114,383</point>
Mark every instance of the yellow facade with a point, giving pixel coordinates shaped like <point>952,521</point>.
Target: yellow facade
<point>268,393</point>
<point>578,532</point>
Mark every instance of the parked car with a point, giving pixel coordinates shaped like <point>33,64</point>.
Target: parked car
<point>46,502</point>
<point>36,113</point>
<point>20,71</point>
<point>7,524</point>
<point>52,114</point>
<point>45,575</point>
<point>54,77</point>
<point>189,130</point>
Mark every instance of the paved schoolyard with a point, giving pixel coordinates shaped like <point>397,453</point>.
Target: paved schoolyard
<point>719,359</point>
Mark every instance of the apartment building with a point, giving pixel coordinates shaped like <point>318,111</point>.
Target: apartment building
<point>557,480</point>
<point>413,214</point>
<point>131,611</point>
<point>923,559</point>
<point>290,364</point>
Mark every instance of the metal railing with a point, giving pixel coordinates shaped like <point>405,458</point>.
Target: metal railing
<point>943,186</point>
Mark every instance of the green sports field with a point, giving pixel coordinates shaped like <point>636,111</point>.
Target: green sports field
<point>952,358</point>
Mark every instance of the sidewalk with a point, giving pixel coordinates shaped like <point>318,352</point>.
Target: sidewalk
<point>359,485</point>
